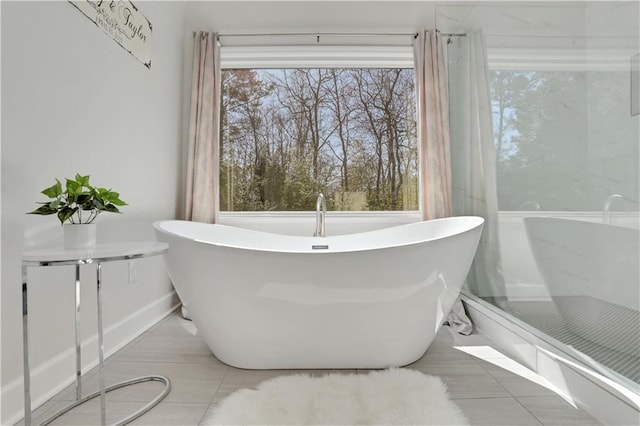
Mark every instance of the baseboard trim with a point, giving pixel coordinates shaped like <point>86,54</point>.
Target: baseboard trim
<point>603,398</point>
<point>52,376</point>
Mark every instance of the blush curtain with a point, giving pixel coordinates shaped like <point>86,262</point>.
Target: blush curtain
<point>433,125</point>
<point>202,193</point>
<point>432,115</point>
<point>474,158</point>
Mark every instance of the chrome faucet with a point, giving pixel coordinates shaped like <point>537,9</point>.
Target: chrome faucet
<point>321,211</point>
<point>606,213</point>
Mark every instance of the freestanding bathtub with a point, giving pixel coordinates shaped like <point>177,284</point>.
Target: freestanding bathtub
<point>367,300</point>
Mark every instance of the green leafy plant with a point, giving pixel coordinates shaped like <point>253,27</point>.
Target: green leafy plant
<point>79,201</point>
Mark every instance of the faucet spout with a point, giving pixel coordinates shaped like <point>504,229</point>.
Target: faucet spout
<point>321,211</point>
<point>606,211</point>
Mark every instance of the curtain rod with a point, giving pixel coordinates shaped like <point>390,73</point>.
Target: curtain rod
<point>318,34</point>
<point>331,34</point>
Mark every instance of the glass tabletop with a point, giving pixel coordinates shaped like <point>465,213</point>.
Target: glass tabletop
<point>98,253</point>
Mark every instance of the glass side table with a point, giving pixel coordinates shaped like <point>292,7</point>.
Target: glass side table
<point>97,255</point>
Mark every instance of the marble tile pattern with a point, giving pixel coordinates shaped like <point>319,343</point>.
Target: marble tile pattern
<point>484,386</point>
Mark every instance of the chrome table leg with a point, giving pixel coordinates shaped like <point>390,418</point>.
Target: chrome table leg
<point>25,350</point>
<point>103,416</point>
<point>78,339</point>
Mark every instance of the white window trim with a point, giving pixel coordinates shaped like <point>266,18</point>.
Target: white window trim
<point>321,56</point>
<point>559,59</point>
<point>234,57</point>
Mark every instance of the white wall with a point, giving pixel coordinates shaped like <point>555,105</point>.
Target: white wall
<point>74,101</point>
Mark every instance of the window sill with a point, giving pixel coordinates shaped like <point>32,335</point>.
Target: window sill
<point>304,216</point>
<point>303,223</point>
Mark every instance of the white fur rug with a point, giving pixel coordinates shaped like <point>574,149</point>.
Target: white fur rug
<point>388,397</point>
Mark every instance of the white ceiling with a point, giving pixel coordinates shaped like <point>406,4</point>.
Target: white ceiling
<point>539,23</point>
<point>506,17</point>
<point>313,16</point>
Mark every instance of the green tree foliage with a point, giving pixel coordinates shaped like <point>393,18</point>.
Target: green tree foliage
<point>289,134</point>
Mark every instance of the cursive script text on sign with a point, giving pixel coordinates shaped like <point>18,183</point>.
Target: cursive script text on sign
<point>123,22</point>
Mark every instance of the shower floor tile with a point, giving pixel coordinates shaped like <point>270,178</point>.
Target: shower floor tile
<point>490,390</point>
<point>607,333</point>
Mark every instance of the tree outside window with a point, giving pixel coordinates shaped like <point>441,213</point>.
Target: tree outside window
<point>288,134</point>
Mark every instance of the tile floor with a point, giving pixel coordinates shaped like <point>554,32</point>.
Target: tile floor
<point>483,386</point>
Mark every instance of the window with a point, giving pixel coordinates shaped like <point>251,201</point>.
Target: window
<point>288,134</point>
<point>564,139</point>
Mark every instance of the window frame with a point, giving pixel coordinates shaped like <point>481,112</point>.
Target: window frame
<point>319,56</point>
<point>246,57</point>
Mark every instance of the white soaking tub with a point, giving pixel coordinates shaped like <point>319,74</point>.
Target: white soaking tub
<point>368,300</point>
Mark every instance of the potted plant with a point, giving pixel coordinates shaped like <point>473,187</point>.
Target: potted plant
<point>77,205</point>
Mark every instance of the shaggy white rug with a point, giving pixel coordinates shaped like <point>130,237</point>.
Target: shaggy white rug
<point>388,397</point>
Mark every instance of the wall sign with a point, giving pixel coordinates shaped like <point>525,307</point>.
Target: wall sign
<point>123,22</point>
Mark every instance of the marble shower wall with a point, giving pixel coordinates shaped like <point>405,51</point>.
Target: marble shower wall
<point>593,150</point>
<point>613,133</point>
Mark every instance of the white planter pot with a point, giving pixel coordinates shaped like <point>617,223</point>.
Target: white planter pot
<point>79,236</point>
